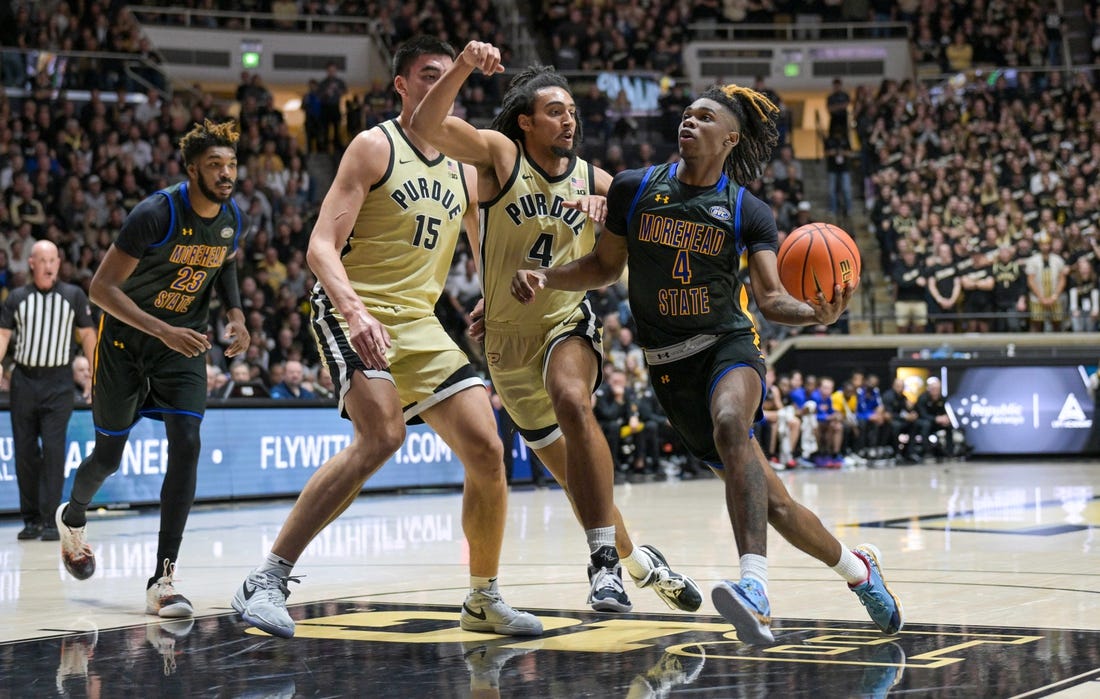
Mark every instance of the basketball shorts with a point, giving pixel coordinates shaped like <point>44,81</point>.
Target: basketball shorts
<point>684,388</point>
<point>517,365</point>
<point>426,366</point>
<point>136,375</point>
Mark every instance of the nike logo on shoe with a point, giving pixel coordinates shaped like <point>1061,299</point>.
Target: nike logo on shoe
<point>248,591</point>
<point>477,615</point>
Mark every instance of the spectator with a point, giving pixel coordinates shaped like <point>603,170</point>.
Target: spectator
<point>291,385</point>
<point>944,289</point>
<point>933,423</point>
<point>1046,282</point>
<point>1009,290</point>
<point>1084,296</point>
<point>331,91</point>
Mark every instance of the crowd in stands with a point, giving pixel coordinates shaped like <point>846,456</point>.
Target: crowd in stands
<point>810,422</point>
<point>983,194</point>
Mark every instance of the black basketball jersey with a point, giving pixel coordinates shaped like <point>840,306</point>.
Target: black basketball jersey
<point>685,245</point>
<point>179,253</point>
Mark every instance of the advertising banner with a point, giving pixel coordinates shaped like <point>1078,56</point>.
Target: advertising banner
<point>246,453</point>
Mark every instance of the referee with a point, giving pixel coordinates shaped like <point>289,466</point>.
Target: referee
<point>44,316</point>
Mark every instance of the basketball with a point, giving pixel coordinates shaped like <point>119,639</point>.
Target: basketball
<point>816,257</point>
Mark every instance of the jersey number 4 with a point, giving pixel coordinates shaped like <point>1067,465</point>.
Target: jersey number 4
<point>681,268</point>
<point>543,250</point>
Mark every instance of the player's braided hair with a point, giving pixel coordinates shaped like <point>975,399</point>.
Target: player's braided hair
<point>208,134</point>
<point>756,115</point>
<point>520,99</point>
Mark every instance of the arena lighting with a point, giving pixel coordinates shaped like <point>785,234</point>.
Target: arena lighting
<point>250,59</point>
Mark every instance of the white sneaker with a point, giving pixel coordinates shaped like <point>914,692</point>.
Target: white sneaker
<point>486,612</point>
<point>261,602</point>
<point>676,590</point>
<point>76,554</point>
<point>162,599</point>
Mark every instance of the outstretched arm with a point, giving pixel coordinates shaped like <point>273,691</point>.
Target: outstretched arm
<point>482,148</point>
<point>600,267</point>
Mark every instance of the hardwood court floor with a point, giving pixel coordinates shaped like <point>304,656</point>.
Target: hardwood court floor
<point>998,565</point>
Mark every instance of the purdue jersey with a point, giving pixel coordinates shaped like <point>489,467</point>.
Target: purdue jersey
<point>527,227</point>
<point>400,249</point>
<point>178,261</point>
<point>684,248</point>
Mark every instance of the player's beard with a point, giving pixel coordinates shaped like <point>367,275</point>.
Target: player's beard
<point>212,194</point>
<point>563,152</point>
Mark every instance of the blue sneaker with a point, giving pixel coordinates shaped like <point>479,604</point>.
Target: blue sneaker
<point>745,605</point>
<point>883,606</point>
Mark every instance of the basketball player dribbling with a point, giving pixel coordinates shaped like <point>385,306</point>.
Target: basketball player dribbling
<point>683,228</point>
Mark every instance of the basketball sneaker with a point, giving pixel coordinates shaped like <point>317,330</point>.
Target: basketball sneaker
<point>745,605</point>
<point>605,575</point>
<point>261,602</point>
<point>485,611</point>
<point>76,554</point>
<point>676,590</point>
<point>163,600</point>
<point>882,605</point>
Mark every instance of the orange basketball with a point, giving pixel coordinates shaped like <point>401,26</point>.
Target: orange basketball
<point>816,257</point>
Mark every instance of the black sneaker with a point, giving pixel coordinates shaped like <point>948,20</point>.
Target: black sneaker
<point>50,534</point>
<point>30,531</point>
<point>605,574</point>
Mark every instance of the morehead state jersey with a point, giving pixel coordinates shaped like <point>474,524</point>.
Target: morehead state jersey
<point>685,246</point>
<point>527,227</point>
<point>401,246</point>
<point>175,276</point>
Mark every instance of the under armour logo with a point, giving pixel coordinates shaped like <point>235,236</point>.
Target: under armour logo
<point>664,378</point>
<point>661,198</point>
<point>118,344</point>
<point>187,231</point>
<point>664,355</point>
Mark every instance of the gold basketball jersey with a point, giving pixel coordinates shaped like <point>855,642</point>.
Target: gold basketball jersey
<point>527,227</point>
<point>400,249</point>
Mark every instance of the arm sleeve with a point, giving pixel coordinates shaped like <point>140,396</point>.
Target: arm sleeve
<point>146,225</point>
<point>758,229</point>
<point>228,290</point>
<point>620,197</point>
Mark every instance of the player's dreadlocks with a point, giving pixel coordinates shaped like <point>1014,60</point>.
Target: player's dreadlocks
<point>520,99</point>
<point>208,135</point>
<point>756,115</point>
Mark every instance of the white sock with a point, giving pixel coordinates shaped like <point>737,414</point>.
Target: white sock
<point>755,566</point>
<point>479,583</point>
<point>599,537</point>
<point>276,564</point>
<point>851,567</point>
<point>637,564</point>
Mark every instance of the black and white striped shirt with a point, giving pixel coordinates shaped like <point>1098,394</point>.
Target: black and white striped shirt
<point>44,323</point>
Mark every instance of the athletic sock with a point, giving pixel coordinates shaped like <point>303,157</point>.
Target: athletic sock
<point>276,564</point>
<point>600,537</point>
<point>638,565</point>
<point>851,567</point>
<point>755,566</point>
<point>481,584</point>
